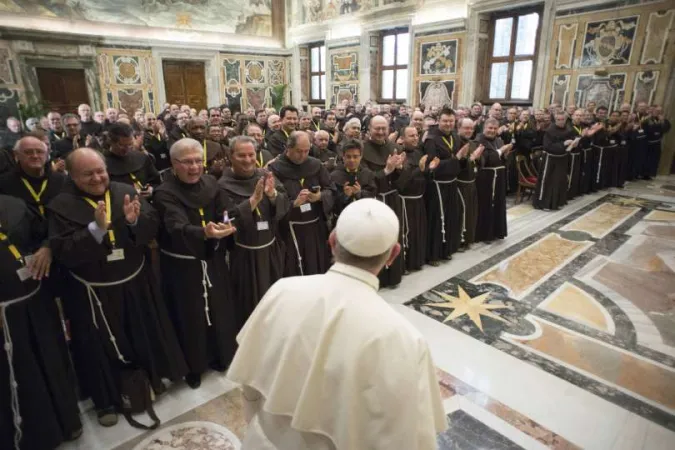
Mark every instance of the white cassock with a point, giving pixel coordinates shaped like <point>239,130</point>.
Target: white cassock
<point>325,363</point>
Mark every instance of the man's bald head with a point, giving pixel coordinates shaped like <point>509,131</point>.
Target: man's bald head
<point>379,128</point>
<point>466,127</point>
<point>321,139</point>
<point>82,157</point>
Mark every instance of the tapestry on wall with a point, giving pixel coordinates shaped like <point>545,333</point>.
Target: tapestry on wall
<point>436,93</point>
<point>251,17</point>
<point>311,11</point>
<point>609,42</point>
<point>438,58</point>
<point>345,66</point>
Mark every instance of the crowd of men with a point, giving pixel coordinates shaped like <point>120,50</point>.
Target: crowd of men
<point>145,242</point>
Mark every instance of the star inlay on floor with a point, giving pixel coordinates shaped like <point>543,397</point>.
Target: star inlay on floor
<point>472,307</point>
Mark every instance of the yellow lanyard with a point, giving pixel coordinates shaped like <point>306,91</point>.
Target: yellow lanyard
<point>159,138</point>
<point>136,181</point>
<point>108,213</point>
<point>260,163</point>
<point>318,127</point>
<point>12,248</point>
<point>201,215</point>
<point>302,182</point>
<point>285,133</point>
<point>449,144</point>
<point>205,158</point>
<point>578,129</point>
<point>36,196</point>
<point>264,132</point>
<point>525,126</point>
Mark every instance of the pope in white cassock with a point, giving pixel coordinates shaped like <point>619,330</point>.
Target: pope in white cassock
<point>325,363</point>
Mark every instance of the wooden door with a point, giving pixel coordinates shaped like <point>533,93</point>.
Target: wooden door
<point>185,83</point>
<point>63,90</point>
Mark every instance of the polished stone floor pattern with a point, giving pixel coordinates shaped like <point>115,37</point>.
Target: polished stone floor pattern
<point>560,336</point>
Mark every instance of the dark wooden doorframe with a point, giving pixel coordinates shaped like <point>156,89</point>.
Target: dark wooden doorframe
<point>63,90</point>
<point>185,83</point>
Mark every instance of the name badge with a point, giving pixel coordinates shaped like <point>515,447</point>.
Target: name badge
<point>623,142</point>
<point>263,226</point>
<point>23,273</point>
<point>163,155</point>
<point>612,142</point>
<point>307,207</point>
<point>116,255</point>
<point>641,131</point>
<point>513,141</point>
<point>656,133</point>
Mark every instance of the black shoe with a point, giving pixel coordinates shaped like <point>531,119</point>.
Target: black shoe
<point>406,272</point>
<point>434,263</point>
<point>107,417</point>
<point>74,435</point>
<point>218,367</point>
<point>194,380</point>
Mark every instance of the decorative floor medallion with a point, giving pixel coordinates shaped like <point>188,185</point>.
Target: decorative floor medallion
<point>191,436</point>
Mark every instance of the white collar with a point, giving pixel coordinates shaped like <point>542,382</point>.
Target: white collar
<point>357,274</point>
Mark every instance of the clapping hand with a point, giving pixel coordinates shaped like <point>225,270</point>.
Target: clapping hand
<point>392,162</point>
<point>505,150</point>
<point>100,215</point>
<point>462,152</point>
<point>257,196</point>
<point>302,198</point>
<point>423,163</point>
<point>478,152</point>
<point>132,209</point>
<point>60,165</point>
<point>218,230</point>
<point>270,189</point>
<point>402,157</point>
<point>40,263</point>
<point>434,163</point>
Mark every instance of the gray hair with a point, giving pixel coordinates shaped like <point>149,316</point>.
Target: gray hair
<point>353,121</point>
<point>69,116</point>
<point>294,137</point>
<point>370,263</point>
<point>463,120</point>
<point>19,144</point>
<point>321,132</point>
<point>492,121</point>
<point>241,140</point>
<point>182,145</point>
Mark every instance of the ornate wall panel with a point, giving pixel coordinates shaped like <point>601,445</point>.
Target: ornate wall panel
<point>437,61</point>
<point>127,79</point>
<point>11,87</point>
<point>246,80</point>
<point>304,74</point>
<point>612,56</point>
<point>660,23</point>
<point>567,40</point>
<point>343,76</point>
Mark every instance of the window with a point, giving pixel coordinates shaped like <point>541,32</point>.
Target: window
<point>317,64</point>
<point>394,65</point>
<point>512,56</point>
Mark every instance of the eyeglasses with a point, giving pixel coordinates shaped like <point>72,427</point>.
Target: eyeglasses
<point>190,162</point>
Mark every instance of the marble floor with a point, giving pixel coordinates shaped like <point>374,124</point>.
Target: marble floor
<point>560,336</point>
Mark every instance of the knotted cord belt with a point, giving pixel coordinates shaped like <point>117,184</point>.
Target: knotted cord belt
<point>13,385</point>
<point>494,180</point>
<point>258,247</point>
<point>602,151</point>
<point>440,202</point>
<point>406,225</point>
<point>91,293</point>
<point>206,281</point>
<point>295,240</point>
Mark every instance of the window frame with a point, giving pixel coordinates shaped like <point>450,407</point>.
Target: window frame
<point>322,88</point>
<point>395,32</point>
<point>512,58</point>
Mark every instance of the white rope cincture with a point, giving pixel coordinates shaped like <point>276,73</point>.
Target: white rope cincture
<point>569,181</point>
<point>206,281</point>
<point>91,294</point>
<point>543,178</point>
<point>461,197</point>
<point>494,180</point>
<point>440,202</point>
<point>295,240</point>
<point>13,384</point>
<point>258,247</point>
<point>597,178</point>
<point>406,224</point>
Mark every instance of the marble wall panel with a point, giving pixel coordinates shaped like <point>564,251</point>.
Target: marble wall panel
<point>246,79</point>
<point>658,27</point>
<point>609,42</point>
<point>437,63</point>
<point>566,42</point>
<point>343,75</point>
<point>560,89</point>
<point>607,91</point>
<point>127,79</point>
<point>304,74</point>
<point>644,88</point>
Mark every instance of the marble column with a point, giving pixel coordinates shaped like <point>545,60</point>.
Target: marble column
<point>296,78</point>
<point>364,66</point>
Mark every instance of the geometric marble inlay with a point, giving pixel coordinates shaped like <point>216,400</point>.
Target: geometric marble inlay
<point>575,304</point>
<point>523,271</point>
<point>601,220</point>
<point>661,216</point>
<point>653,382</point>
